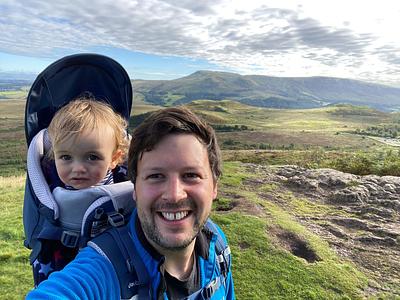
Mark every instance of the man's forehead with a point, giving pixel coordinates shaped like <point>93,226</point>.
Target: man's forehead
<point>182,149</point>
<point>189,139</point>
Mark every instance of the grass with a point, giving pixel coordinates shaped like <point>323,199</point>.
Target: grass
<point>20,94</point>
<point>379,161</point>
<point>329,127</point>
<point>15,278</point>
<point>261,270</point>
<point>12,136</point>
<point>232,176</point>
<point>307,208</point>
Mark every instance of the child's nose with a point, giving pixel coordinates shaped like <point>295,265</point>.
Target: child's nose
<point>78,167</point>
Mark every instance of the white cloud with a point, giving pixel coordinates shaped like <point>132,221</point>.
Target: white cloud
<point>276,37</point>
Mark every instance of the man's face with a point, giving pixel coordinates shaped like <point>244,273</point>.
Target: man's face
<point>174,191</point>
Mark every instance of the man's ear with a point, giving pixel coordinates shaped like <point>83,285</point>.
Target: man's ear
<point>215,190</point>
<point>115,158</point>
<point>134,195</point>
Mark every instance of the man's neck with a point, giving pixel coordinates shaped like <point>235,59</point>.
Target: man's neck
<point>179,264</point>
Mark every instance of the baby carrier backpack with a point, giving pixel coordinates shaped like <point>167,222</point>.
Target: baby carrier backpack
<point>56,227</point>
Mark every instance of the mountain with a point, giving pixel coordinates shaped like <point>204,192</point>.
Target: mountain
<point>14,84</point>
<point>17,76</point>
<point>267,91</point>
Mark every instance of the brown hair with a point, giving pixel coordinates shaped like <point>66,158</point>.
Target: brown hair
<point>167,121</point>
<point>87,114</point>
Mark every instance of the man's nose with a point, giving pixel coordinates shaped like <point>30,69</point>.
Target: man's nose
<point>174,190</point>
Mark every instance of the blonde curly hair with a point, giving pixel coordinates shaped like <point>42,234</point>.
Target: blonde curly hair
<point>84,114</point>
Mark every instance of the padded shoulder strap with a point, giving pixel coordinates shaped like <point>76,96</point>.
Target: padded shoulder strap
<point>117,246</point>
<point>75,205</point>
<point>36,151</point>
<point>223,251</point>
<point>220,243</point>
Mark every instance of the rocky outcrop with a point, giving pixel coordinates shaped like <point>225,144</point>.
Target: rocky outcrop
<point>364,220</point>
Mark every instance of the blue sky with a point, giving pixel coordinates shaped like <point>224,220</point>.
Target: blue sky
<point>138,65</point>
<point>167,39</point>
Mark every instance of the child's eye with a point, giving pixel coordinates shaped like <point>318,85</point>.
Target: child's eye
<point>155,176</point>
<point>65,157</point>
<point>93,157</point>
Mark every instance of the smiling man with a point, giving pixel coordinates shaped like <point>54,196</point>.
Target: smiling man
<point>174,191</point>
<point>174,251</point>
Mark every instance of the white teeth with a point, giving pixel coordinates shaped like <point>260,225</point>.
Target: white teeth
<point>174,216</point>
<point>169,216</point>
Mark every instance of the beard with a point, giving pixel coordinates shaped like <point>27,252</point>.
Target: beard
<point>154,233</point>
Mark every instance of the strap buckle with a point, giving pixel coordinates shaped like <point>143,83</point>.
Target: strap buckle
<point>223,260</point>
<point>116,219</point>
<point>211,288</point>
<point>98,227</point>
<point>70,239</point>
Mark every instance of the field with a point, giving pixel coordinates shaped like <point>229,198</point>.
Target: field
<point>262,266</point>
<point>12,136</point>
<point>14,94</point>
<point>327,127</point>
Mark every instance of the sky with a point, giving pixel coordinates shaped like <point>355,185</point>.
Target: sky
<point>155,39</point>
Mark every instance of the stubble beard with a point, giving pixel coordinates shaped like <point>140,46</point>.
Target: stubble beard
<point>153,233</point>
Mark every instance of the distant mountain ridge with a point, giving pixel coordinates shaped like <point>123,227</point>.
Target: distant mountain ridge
<point>267,91</point>
<point>17,76</point>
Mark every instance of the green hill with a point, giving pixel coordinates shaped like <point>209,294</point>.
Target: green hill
<point>267,91</point>
<point>328,127</point>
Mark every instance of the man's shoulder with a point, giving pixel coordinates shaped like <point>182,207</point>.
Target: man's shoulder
<point>203,240</point>
<point>90,254</point>
<point>211,228</point>
<point>93,262</point>
<point>88,276</point>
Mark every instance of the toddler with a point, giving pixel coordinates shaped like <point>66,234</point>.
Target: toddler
<point>88,145</point>
<point>88,142</point>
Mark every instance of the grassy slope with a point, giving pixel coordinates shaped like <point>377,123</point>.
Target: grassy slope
<point>265,270</point>
<point>20,94</point>
<point>322,127</point>
<point>15,272</point>
<point>12,137</point>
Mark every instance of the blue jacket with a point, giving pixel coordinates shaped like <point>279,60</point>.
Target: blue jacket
<point>92,276</point>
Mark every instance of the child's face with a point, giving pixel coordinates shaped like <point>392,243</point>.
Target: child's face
<point>83,161</point>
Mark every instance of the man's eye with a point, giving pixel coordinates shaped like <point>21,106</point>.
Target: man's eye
<point>192,176</point>
<point>65,157</point>
<point>93,157</point>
